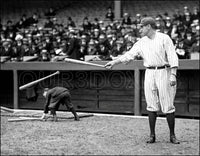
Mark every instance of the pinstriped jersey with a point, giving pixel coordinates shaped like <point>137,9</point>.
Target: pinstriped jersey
<point>158,51</point>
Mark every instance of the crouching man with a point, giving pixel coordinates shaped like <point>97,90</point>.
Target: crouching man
<point>55,97</point>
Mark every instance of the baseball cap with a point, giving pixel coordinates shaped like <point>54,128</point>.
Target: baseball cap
<point>147,20</point>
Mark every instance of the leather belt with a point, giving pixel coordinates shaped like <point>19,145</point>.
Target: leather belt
<point>161,67</point>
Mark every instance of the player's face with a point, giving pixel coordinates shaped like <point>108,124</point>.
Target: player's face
<point>143,30</point>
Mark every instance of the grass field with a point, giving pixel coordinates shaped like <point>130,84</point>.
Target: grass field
<point>97,135</point>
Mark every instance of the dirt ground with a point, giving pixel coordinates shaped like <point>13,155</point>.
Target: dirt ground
<point>96,135</point>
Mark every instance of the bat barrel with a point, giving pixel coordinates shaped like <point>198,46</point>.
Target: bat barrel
<point>83,62</point>
<point>37,81</point>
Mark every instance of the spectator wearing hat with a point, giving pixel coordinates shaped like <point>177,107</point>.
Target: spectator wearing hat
<point>96,34</point>
<point>2,36</point>
<point>180,27</point>
<point>194,27</point>
<point>117,25</point>
<point>10,29</point>
<point>126,20</point>
<point>195,50</point>
<point>34,30</point>
<point>177,15</point>
<point>195,14</point>
<point>19,25</point>
<point>83,47</point>
<point>25,21</point>
<point>189,39</point>
<point>104,40</point>
<point>168,23</point>
<point>95,24</point>
<point>186,12</point>
<point>70,23</point>
<point>159,23</point>
<point>101,25</point>
<point>111,40</point>
<point>26,48</point>
<point>182,49</point>
<point>110,14</point>
<point>73,46</point>
<point>33,19</point>
<point>92,47</point>
<point>137,19</point>
<point>48,42</point>
<point>44,56</point>
<point>19,50</point>
<point>187,21</point>
<point>175,33</point>
<point>11,35</point>
<point>7,49</point>
<point>127,46</point>
<point>117,49</point>
<point>103,51</point>
<point>122,32</point>
<point>103,47</point>
<point>34,50</point>
<point>86,25</point>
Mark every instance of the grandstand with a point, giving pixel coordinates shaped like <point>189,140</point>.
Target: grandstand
<point>13,10</point>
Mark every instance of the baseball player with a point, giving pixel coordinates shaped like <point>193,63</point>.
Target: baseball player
<point>161,62</point>
<point>55,97</point>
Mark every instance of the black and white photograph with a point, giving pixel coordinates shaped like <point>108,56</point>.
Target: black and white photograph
<point>99,77</point>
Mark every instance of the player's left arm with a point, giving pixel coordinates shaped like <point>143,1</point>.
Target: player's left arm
<point>172,59</point>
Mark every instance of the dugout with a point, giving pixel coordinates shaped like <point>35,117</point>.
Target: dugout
<point>95,89</point>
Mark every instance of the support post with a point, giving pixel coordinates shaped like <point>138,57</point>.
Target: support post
<point>117,9</point>
<point>15,90</point>
<point>137,110</point>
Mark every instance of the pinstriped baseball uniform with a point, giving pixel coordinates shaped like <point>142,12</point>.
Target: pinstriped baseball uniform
<point>156,52</point>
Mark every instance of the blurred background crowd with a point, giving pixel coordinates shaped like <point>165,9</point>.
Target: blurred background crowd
<point>106,39</point>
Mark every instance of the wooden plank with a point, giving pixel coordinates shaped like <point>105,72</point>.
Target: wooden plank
<point>7,109</point>
<point>39,119</point>
<point>24,119</point>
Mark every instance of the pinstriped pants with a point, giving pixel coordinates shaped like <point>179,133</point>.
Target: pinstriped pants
<point>159,94</point>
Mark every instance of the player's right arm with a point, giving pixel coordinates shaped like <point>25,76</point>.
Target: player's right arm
<point>127,57</point>
<point>48,97</point>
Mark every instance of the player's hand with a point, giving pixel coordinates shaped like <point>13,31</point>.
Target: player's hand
<point>109,65</point>
<point>172,80</point>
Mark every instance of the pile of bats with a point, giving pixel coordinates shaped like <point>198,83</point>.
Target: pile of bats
<point>32,115</point>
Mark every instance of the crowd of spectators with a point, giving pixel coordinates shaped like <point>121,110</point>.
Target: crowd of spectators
<point>93,37</point>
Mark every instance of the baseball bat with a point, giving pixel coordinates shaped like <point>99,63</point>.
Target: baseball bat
<point>37,81</point>
<point>83,62</point>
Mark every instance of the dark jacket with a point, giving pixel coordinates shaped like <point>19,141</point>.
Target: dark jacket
<point>73,48</point>
<point>54,97</point>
